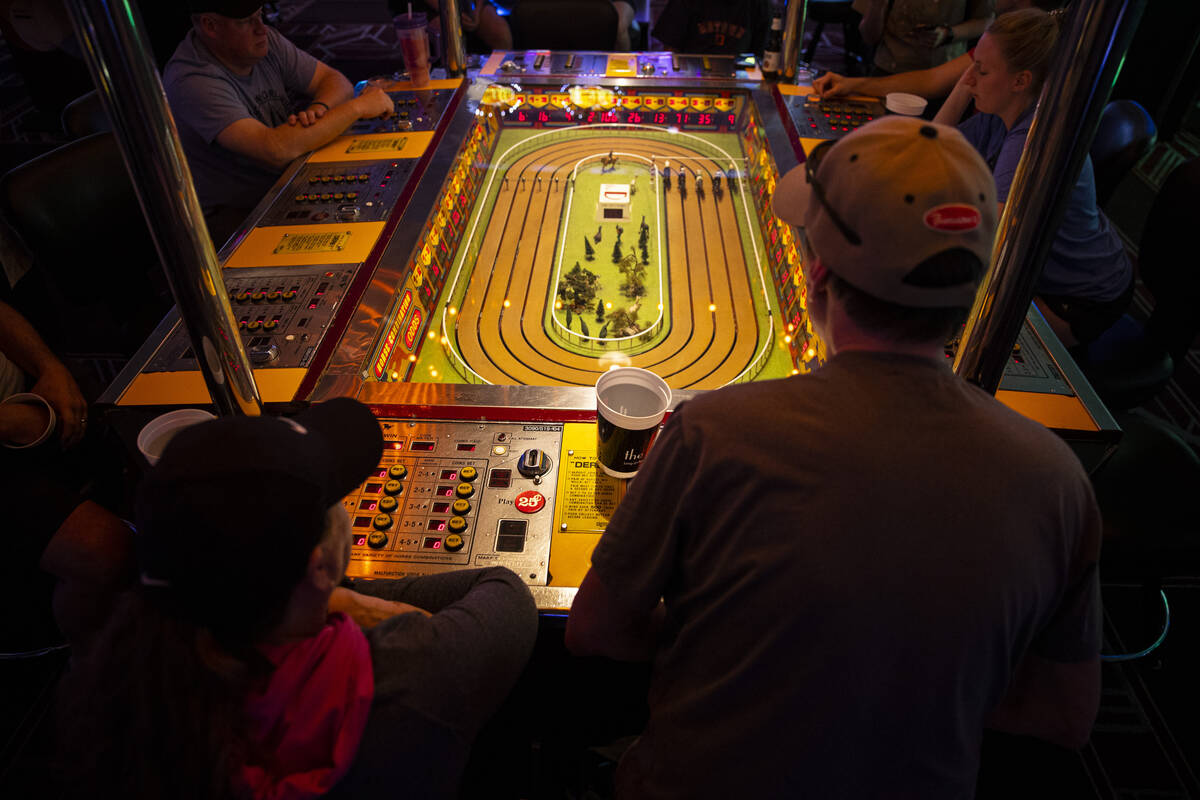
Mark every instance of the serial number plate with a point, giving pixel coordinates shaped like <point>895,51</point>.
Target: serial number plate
<point>376,145</point>
<point>312,242</point>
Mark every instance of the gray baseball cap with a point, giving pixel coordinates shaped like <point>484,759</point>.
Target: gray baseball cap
<point>888,196</point>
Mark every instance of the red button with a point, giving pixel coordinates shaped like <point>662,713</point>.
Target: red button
<point>530,502</point>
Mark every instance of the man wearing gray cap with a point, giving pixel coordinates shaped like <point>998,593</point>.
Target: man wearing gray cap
<point>844,577</point>
<point>247,102</point>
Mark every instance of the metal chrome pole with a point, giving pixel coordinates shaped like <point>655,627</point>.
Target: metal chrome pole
<point>122,67</point>
<point>454,49</point>
<point>1092,46</point>
<point>793,38</point>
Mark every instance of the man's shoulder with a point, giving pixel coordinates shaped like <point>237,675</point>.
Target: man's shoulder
<point>190,59</point>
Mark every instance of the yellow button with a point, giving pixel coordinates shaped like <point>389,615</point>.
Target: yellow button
<point>462,490</point>
<point>393,487</point>
<point>377,540</point>
<point>460,506</point>
<point>468,473</point>
<point>454,543</point>
<point>397,472</point>
<point>382,521</point>
<point>457,525</point>
<point>387,503</point>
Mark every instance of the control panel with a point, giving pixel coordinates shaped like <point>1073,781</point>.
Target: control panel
<point>415,110</point>
<point>452,495</point>
<point>282,316</point>
<point>656,65</point>
<point>815,118</point>
<point>346,191</point>
<point>1030,367</point>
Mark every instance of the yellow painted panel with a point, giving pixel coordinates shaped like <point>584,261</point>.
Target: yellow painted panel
<point>621,65</point>
<point>571,557</point>
<point>584,503</point>
<point>809,144</point>
<point>792,89</point>
<point>373,147</point>
<point>1052,410</point>
<point>259,247</point>
<point>188,388</point>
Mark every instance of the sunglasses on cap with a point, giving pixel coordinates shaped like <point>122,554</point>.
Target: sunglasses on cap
<point>810,172</point>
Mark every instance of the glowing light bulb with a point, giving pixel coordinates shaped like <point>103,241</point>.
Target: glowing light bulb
<point>395,376</point>
<point>811,352</point>
<point>787,339</point>
<point>712,306</point>
<point>608,305</point>
<point>506,303</point>
<point>412,357</point>
<point>453,311</point>
<point>432,335</point>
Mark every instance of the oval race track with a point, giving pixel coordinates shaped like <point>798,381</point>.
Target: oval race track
<point>702,349</point>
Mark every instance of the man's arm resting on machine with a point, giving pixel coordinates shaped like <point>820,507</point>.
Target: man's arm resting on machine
<point>929,83</point>
<point>280,145</point>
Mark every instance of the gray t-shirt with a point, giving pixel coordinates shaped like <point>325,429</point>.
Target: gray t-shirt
<point>852,563</point>
<point>206,98</point>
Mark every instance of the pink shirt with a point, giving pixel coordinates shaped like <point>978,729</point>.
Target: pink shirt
<point>311,715</point>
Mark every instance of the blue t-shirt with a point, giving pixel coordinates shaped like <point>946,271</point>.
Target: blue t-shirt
<point>206,98</point>
<point>1087,259</point>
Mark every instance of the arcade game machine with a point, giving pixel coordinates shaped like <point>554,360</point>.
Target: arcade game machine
<point>469,266</point>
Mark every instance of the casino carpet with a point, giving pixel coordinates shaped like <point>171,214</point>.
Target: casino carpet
<point>1146,743</point>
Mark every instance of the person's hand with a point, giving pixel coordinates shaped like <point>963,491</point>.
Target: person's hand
<point>22,423</point>
<point>374,102</point>
<point>366,610</point>
<point>62,393</point>
<point>308,116</point>
<point>933,36</point>
<point>832,84</point>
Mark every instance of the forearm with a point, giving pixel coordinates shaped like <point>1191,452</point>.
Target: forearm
<point>285,143</point>
<point>22,344</point>
<point>1053,701</point>
<point>602,623</point>
<point>951,112</point>
<point>333,90</point>
<point>435,592</point>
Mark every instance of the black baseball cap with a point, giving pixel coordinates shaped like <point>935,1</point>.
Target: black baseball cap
<point>227,518</point>
<point>234,9</point>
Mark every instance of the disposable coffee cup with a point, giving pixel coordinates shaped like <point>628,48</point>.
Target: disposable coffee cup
<point>630,403</point>
<point>413,39</point>
<point>909,105</point>
<point>154,436</point>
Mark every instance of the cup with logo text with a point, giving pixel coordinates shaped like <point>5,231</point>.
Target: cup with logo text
<point>630,403</point>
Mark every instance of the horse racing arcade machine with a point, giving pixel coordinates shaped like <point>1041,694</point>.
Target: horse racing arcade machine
<point>470,265</point>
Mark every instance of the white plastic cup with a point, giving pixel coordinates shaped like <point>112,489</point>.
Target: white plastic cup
<point>910,105</point>
<point>153,438</point>
<point>630,403</point>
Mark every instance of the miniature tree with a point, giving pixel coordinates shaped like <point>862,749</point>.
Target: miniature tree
<point>616,254</point>
<point>588,252</point>
<point>624,321</point>
<point>583,326</point>
<point>599,311</point>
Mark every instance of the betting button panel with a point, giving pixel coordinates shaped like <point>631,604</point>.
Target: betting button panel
<point>456,495</point>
